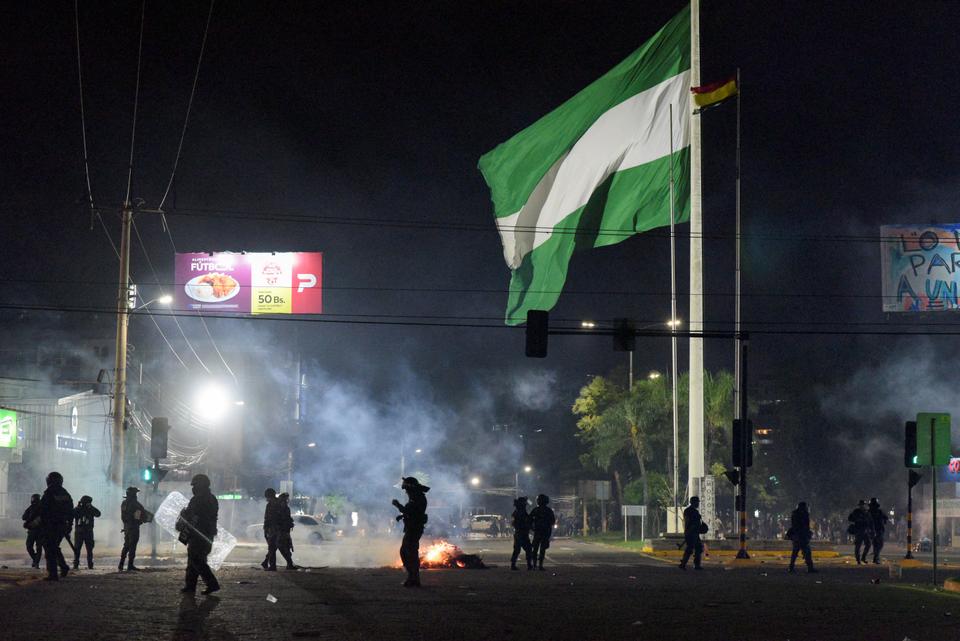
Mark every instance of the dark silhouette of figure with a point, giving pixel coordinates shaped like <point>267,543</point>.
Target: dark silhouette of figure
<point>521,533</point>
<point>862,530</point>
<point>878,523</point>
<point>83,517</point>
<point>414,516</point>
<point>543,520</point>
<point>329,517</point>
<point>132,515</point>
<point>693,527</point>
<point>31,522</point>
<point>284,525</point>
<point>199,523</point>
<point>270,529</point>
<point>56,519</point>
<point>800,534</point>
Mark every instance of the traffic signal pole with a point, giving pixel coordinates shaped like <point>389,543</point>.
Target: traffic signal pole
<point>933,480</point>
<point>909,516</point>
<point>743,445</point>
<point>120,373</point>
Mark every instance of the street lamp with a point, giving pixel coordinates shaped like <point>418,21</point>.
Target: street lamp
<point>588,324</point>
<point>653,375</point>
<point>164,299</point>
<point>311,444</point>
<point>475,481</point>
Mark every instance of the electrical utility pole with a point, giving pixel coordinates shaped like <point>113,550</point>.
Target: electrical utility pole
<point>120,374</point>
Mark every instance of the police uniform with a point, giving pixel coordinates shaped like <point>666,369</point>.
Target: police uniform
<point>521,533</point>
<point>132,515</point>
<point>83,517</point>
<point>691,534</point>
<point>861,527</point>
<point>270,529</point>
<point>56,517</point>
<point>284,525</point>
<point>801,534</point>
<point>878,521</point>
<point>31,521</point>
<point>543,520</point>
<point>201,515</point>
<point>414,516</point>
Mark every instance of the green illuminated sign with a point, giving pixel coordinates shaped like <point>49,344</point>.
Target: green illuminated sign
<point>8,428</point>
<point>229,497</point>
<point>941,438</point>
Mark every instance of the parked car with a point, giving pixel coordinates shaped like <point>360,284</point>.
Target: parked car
<point>306,530</point>
<point>486,524</point>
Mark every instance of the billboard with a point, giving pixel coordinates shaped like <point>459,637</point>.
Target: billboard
<point>250,283</point>
<point>8,428</point>
<point>919,265</point>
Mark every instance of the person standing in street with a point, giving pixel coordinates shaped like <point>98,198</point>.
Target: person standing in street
<point>878,523</point>
<point>521,533</point>
<point>284,525</point>
<point>543,520</point>
<point>31,522</point>
<point>270,529</point>
<point>200,517</point>
<point>83,517</point>
<point>132,515</point>
<point>414,517</point>
<point>693,527</point>
<point>56,519</point>
<point>800,534</point>
<point>862,530</point>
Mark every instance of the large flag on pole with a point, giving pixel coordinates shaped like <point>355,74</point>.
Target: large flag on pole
<point>595,170</point>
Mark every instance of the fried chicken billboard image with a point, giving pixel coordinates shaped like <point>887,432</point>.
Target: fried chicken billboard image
<point>249,283</point>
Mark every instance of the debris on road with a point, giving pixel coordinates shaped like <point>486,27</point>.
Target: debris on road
<point>271,598</point>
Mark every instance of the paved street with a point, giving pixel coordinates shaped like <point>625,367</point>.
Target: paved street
<point>589,591</point>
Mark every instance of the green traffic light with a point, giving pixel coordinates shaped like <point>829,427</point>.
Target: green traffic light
<point>914,459</point>
<point>147,474</point>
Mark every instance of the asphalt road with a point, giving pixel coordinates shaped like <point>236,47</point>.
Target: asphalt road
<point>588,592</point>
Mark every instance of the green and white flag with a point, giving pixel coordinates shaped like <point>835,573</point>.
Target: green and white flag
<point>595,170</point>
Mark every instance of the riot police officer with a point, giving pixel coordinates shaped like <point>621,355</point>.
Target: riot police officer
<point>200,519</point>
<point>284,525</point>
<point>414,517</point>
<point>56,517</point>
<point>800,534</point>
<point>861,527</point>
<point>132,514</point>
<point>543,520</point>
<point>31,522</point>
<point>521,533</point>
<point>693,527</point>
<point>83,517</point>
<point>878,522</point>
<point>270,529</point>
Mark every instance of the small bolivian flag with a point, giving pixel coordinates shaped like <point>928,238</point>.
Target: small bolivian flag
<point>711,95</point>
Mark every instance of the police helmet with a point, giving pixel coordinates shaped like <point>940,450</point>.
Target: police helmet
<point>269,493</point>
<point>54,478</point>
<point>86,499</point>
<point>200,480</point>
<point>132,490</point>
<point>542,499</point>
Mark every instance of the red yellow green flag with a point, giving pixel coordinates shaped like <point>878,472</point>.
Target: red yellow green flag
<point>711,95</point>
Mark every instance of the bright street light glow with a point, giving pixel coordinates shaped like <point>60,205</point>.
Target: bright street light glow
<point>587,324</point>
<point>653,376</point>
<point>675,322</point>
<point>212,403</point>
<point>166,299</point>
<point>475,481</point>
<point>311,444</point>
<point>417,451</point>
<point>527,469</point>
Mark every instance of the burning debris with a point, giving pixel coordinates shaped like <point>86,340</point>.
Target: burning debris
<point>447,555</point>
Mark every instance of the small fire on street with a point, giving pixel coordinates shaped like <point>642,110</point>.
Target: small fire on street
<point>442,554</point>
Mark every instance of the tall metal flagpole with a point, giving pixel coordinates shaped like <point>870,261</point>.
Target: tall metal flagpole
<point>673,341</point>
<point>736,322</point>
<point>695,465</point>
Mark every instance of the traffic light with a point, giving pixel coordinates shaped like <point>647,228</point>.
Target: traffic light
<point>146,474</point>
<point>538,322</point>
<point>152,474</point>
<point>733,476</point>
<point>159,427</point>
<point>910,444</point>
<point>624,340</point>
<point>742,438</point>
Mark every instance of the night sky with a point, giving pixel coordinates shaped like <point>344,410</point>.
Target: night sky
<point>354,129</point>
